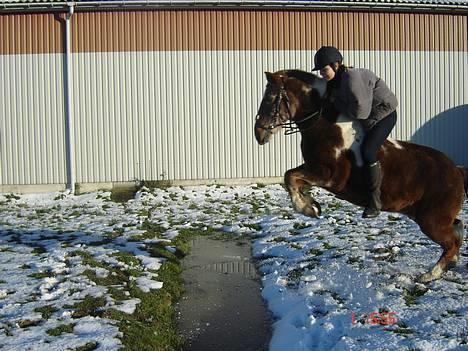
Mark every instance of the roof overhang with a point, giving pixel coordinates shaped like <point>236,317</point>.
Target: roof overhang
<point>311,5</point>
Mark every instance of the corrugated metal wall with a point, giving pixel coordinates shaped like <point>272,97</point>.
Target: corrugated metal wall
<point>31,100</point>
<point>173,94</point>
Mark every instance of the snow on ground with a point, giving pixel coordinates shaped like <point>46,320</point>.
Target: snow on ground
<point>334,283</point>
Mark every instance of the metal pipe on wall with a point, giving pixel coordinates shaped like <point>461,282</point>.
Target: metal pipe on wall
<point>69,128</point>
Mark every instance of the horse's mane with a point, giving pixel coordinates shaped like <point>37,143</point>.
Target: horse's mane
<point>306,77</point>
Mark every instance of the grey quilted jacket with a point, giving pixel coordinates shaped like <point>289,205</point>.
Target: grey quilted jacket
<point>364,96</point>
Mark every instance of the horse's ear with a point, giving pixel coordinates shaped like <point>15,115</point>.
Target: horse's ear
<point>270,77</point>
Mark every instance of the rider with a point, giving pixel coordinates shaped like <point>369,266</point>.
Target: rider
<point>361,95</point>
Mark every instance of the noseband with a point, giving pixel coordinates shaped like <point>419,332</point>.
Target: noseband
<point>278,120</point>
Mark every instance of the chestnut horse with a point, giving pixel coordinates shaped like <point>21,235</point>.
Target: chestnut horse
<point>418,181</point>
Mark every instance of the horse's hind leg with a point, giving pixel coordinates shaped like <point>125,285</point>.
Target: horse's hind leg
<point>459,229</point>
<point>449,237</point>
<point>296,180</point>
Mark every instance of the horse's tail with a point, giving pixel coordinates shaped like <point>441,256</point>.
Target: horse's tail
<point>464,171</point>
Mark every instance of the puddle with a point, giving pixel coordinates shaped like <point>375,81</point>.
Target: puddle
<point>222,308</point>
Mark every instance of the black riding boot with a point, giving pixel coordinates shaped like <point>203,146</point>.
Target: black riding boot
<point>375,180</point>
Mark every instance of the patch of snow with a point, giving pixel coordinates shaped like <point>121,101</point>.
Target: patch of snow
<point>127,306</point>
<point>322,278</point>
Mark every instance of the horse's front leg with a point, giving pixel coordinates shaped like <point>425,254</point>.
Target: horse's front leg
<point>296,180</point>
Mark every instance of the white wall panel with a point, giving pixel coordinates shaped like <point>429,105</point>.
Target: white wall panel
<point>31,120</point>
<point>190,115</point>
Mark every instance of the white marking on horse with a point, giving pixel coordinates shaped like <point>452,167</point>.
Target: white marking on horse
<point>353,135</point>
<point>395,143</point>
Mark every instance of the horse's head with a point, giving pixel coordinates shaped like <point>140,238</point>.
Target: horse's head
<point>290,97</point>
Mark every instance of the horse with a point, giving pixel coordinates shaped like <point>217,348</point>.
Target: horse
<point>418,181</point>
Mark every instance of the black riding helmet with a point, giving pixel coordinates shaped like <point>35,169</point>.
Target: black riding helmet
<point>326,55</point>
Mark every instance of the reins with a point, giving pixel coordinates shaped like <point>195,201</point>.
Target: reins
<point>293,128</point>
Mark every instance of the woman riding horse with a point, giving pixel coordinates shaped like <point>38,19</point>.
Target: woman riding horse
<point>360,94</point>
<point>429,191</point>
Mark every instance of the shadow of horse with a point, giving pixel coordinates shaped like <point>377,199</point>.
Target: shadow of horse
<point>447,132</point>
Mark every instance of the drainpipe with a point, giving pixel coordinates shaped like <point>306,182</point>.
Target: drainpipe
<point>69,129</point>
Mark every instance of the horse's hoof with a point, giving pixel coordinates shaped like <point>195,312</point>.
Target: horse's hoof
<point>425,278</point>
<point>312,211</point>
<point>317,208</point>
<point>453,262</point>
<point>370,212</point>
<point>434,274</point>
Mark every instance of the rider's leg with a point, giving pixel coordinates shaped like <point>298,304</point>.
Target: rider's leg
<point>374,138</point>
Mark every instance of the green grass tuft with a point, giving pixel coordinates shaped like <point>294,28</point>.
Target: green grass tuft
<point>89,346</point>
<point>123,194</point>
<point>315,252</point>
<point>46,311</point>
<point>25,323</point>
<point>39,250</point>
<point>63,328</point>
<point>42,275</point>
<point>89,306</point>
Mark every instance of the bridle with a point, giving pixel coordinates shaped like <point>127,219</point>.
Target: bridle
<point>279,120</point>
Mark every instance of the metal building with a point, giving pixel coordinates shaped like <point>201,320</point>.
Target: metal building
<point>100,92</point>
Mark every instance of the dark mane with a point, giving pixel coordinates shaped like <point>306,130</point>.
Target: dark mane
<point>306,77</point>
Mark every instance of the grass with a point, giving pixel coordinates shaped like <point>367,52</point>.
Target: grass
<point>334,205</point>
<point>89,346</point>
<point>39,250</point>
<point>278,239</point>
<point>46,311</point>
<point>123,194</point>
<point>42,275</point>
<point>152,326</point>
<point>295,275</point>
<point>302,225</point>
<point>254,227</point>
<point>127,258</point>
<point>411,295</point>
<point>156,184</point>
<point>88,259</point>
<point>402,329</point>
<point>337,297</point>
<point>89,306</point>
<point>25,323</point>
<point>352,260</point>
<point>152,229</point>
<point>63,328</point>
<point>315,252</point>
<point>10,197</point>
<point>327,246</point>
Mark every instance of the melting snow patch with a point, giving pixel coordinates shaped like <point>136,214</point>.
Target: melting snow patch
<point>146,284</point>
<point>127,306</point>
<point>150,262</point>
